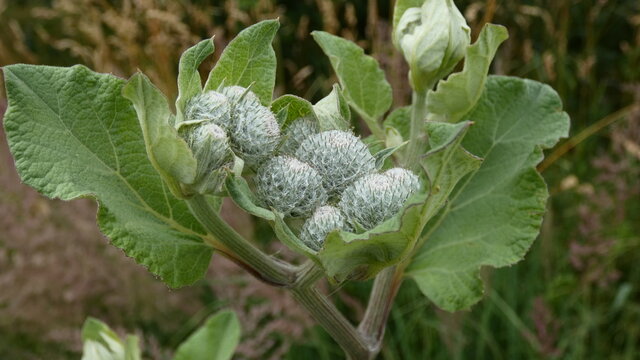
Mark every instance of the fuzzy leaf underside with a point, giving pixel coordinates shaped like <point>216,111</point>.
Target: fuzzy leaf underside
<point>333,111</point>
<point>217,339</point>
<point>189,82</point>
<point>496,212</point>
<point>457,95</point>
<point>402,6</point>
<point>295,107</point>
<point>363,82</point>
<point>249,59</point>
<point>101,343</point>
<point>168,153</point>
<point>73,134</point>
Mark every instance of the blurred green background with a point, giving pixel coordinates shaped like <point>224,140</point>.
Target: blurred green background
<point>575,296</point>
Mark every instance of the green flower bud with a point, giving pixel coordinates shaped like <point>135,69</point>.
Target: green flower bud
<point>323,221</point>
<point>433,39</point>
<point>377,197</point>
<point>254,131</point>
<point>339,157</point>
<point>290,186</point>
<point>296,133</point>
<point>210,147</point>
<point>209,106</point>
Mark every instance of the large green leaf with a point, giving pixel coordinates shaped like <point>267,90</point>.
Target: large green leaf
<point>249,59</point>
<point>215,340</point>
<point>72,135</point>
<point>189,83</point>
<point>363,82</point>
<point>457,95</point>
<point>495,214</point>
<point>168,153</point>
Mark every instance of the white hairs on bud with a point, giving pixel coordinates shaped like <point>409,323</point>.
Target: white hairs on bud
<point>375,198</point>
<point>324,220</point>
<point>209,106</point>
<point>290,186</point>
<point>296,133</point>
<point>339,157</point>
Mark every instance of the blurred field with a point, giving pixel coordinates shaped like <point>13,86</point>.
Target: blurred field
<point>575,296</point>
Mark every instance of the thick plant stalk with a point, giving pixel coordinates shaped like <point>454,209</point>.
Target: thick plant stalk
<point>418,138</point>
<point>265,267</point>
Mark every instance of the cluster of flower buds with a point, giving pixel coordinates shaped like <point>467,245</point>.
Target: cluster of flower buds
<point>331,179</point>
<point>220,123</point>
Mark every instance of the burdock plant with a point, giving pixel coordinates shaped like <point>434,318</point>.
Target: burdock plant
<point>456,189</point>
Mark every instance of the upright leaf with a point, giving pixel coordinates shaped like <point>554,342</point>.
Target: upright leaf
<point>457,95</point>
<point>168,153</point>
<point>73,134</point>
<point>249,59</point>
<point>363,82</point>
<point>333,111</point>
<point>189,83</point>
<point>295,107</point>
<point>495,214</point>
<point>215,340</point>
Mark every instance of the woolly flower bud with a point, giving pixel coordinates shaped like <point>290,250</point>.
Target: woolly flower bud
<point>323,221</point>
<point>289,186</point>
<point>296,133</point>
<point>406,181</point>
<point>433,39</point>
<point>376,197</point>
<point>339,157</point>
<point>254,131</point>
<point>210,147</point>
<point>209,106</point>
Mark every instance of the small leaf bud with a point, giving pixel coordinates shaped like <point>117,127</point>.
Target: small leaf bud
<point>339,157</point>
<point>290,186</point>
<point>433,39</point>
<point>324,220</point>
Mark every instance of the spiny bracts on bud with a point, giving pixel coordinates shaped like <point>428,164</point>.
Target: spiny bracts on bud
<point>296,133</point>
<point>254,130</point>
<point>209,106</point>
<point>210,146</point>
<point>323,221</point>
<point>339,157</point>
<point>375,198</point>
<point>290,186</point>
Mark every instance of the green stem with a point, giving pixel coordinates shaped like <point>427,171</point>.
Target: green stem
<point>418,139</point>
<point>265,267</point>
<point>326,314</point>
<point>385,288</point>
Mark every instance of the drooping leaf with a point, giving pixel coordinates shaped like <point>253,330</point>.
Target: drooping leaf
<point>242,195</point>
<point>101,343</point>
<point>495,214</point>
<point>363,82</point>
<point>189,83</point>
<point>217,339</point>
<point>333,111</point>
<point>457,95</point>
<point>346,255</point>
<point>73,134</point>
<point>168,153</point>
<point>249,59</point>
<point>295,107</point>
